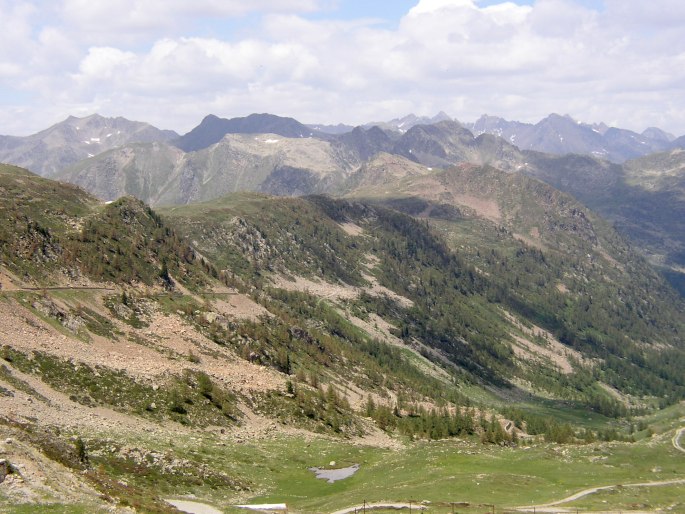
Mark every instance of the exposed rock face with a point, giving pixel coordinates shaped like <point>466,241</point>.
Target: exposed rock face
<point>6,469</point>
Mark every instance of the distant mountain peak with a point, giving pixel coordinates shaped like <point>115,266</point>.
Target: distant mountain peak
<point>73,139</point>
<point>212,129</point>
<point>658,134</point>
<point>411,120</point>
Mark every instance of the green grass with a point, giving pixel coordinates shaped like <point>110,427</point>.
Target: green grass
<point>465,471</point>
<point>670,498</point>
<point>32,508</point>
<point>277,470</point>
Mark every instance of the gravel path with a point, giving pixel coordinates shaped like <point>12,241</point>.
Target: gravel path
<point>372,506</point>
<point>676,439</point>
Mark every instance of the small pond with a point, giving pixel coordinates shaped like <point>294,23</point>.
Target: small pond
<point>333,475</point>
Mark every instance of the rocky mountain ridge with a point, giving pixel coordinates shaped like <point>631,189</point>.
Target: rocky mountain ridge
<point>560,135</point>
<point>63,144</point>
<point>74,139</point>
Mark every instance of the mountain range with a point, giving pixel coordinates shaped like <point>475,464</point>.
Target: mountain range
<point>210,316</point>
<point>563,135</point>
<point>75,139</point>
<point>270,154</point>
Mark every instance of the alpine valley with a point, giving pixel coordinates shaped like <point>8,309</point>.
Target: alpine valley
<point>435,315</point>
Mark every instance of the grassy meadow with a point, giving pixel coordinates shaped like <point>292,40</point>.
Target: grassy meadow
<point>459,474</point>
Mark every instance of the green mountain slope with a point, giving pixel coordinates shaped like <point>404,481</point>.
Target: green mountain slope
<point>135,344</point>
<point>58,233</point>
<point>585,285</point>
<point>548,259</point>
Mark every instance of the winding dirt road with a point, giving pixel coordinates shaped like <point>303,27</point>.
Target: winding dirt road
<point>550,507</point>
<point>676,439</point>
<point>372,506</point>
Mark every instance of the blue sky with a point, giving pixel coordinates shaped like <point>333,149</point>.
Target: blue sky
<point>393,10</point>
<point>171,62</point>
<point>356,9</point>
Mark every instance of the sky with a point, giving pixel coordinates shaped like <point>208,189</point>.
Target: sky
<point>172,62</point>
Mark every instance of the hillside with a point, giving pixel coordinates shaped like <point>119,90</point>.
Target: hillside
<point>161,174</point>
<point>130,337</point>
<point>643,198</point>
<point>482,210</point>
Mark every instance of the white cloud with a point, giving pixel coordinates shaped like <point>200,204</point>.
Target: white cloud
<point>146,60</point>
<point>16,45</point>
<point>646,14</point>
<point>131,21</point>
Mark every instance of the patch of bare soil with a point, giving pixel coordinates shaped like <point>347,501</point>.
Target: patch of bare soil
<point>255,427</point>
<point>50,407</point>
<point>526,350</point>
<point>487,208</point>
<point>351,229</point>
<point>530,241</point>
<point>324,290</point>
<point>336,292</point>
<point>376,327</point>
<point>9,281</point>
<point>150,353</point>
<point>562,288</point>
<point>378,290</point>
<point>554,352</point>
<point>239,306</point>
<point>611,260</point>
<point>376,438</point>
<point>379,329</point>
<point>623,398</point>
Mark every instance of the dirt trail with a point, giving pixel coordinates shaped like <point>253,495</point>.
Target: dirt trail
<point>676,439</point>
<point>552,506</point>
<point>381,505</point>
